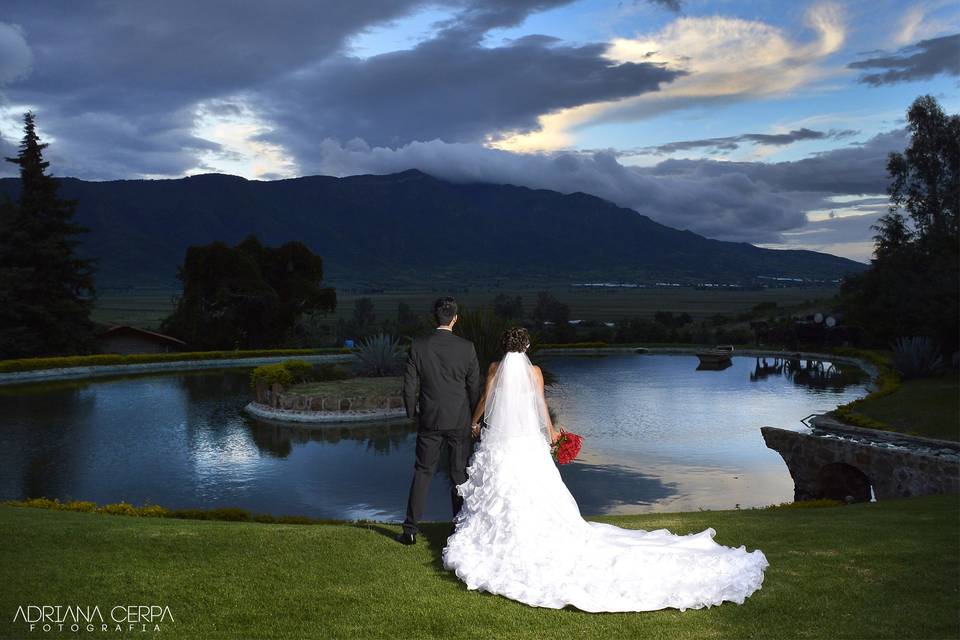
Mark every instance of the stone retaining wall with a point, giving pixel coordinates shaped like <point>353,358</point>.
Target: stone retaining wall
<point>348,415</point>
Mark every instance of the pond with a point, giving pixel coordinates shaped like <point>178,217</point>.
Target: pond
<point>659,435</point>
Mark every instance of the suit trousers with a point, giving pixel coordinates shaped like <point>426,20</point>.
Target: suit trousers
<point>430,444</point>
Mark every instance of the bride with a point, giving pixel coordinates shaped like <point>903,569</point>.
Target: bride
<point>520,533</point>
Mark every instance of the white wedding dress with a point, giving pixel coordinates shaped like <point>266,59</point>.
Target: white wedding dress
<point>520,533</point>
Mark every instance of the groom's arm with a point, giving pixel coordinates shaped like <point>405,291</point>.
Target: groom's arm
<point>473,379</point>
<point>411,383</point>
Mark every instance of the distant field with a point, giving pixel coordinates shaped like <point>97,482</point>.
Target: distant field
<point>146,307</point>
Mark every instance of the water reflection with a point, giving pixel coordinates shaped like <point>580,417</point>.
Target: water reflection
<point>816,374</point>
<point>696,431</point>
<point>658,435</point>
<point>278,439</point>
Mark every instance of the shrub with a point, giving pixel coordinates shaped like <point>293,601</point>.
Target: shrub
<point>119,509</point>
<point>299,370</point>
<point>917,357</point>
<point>377,356</point>
<point>270,374</point>
<point>153,511</point>
<point>80,505</point>
<point>328,371</point>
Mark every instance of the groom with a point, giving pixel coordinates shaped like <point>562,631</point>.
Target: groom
<point>441,387</point>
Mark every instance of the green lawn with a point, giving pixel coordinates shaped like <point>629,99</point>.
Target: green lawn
<point>880,570</point>
<point>927,407</point>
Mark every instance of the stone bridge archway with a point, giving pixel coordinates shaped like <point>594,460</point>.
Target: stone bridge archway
<point>826,467</point>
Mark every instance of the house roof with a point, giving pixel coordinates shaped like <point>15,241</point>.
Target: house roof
<point>124,328</point>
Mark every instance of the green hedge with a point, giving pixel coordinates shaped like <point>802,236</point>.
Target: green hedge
<point>58,362</point>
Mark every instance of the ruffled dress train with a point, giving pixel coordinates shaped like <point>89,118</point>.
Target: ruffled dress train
<point>520,534</point>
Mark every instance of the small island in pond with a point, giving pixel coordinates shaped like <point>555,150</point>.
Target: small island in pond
<point>277,396</point>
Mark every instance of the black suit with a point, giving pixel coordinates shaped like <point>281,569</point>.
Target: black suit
<point>441,387</point>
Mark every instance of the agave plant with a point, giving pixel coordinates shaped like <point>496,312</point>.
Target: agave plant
<point>916,357</point>
<point>378,356</point>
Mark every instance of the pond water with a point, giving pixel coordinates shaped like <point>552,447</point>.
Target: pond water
<point>659,435</point>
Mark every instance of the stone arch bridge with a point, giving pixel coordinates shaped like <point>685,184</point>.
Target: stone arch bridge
<point>842,462</point>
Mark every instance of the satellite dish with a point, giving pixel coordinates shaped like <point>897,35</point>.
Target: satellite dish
<point>831,321</point>
<point>818,317</point>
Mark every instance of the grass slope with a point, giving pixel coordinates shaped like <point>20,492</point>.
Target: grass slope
<point>881,570</point>
<point>928,407</point>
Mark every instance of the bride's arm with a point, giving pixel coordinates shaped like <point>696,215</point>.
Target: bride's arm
<point>550,428</point>
<point>482,403</point>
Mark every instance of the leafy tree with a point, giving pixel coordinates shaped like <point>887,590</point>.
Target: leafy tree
<point>247,296</point>
<point>911,287</point>
<point>361,322</point>
<point>667,319</point>
<point>46,291</point>
<point>641,330</point>
<point>409,324</point>
<point>926,177</point>
<point>549,309</point>
<point>364,313</point>
<point>510,308</point>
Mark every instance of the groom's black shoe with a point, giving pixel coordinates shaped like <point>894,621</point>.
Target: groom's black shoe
<point>406,538</point>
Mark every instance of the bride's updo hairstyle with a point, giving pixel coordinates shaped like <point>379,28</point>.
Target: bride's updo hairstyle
<point>515,339</point>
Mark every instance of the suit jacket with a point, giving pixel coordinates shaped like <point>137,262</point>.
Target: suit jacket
<point>441,381</point>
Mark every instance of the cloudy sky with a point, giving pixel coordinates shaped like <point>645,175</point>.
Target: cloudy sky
<point>766,122</point>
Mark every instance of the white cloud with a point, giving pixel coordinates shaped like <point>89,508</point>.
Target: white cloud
<point>239,132</point>
<point>916,23</point>
<point>728,59</point>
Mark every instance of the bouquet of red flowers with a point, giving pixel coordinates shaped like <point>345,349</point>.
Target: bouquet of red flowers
<point>566,448</point>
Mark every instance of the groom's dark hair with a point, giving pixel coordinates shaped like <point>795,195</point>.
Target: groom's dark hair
<point>444,309</point>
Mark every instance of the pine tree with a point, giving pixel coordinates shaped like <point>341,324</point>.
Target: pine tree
<point>46,290</point>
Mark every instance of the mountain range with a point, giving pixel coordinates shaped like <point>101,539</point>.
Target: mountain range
<point>409,228</point>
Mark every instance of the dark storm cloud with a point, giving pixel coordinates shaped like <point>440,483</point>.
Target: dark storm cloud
<point>475,20</point>
<point>116,83</point>
<point>858,168</point>
<point>133,74</point>
<point>731,143</point>
<point>919,61</point>
<point>448,89</point>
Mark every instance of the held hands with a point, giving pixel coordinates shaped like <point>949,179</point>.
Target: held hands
<point>555,434</point>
